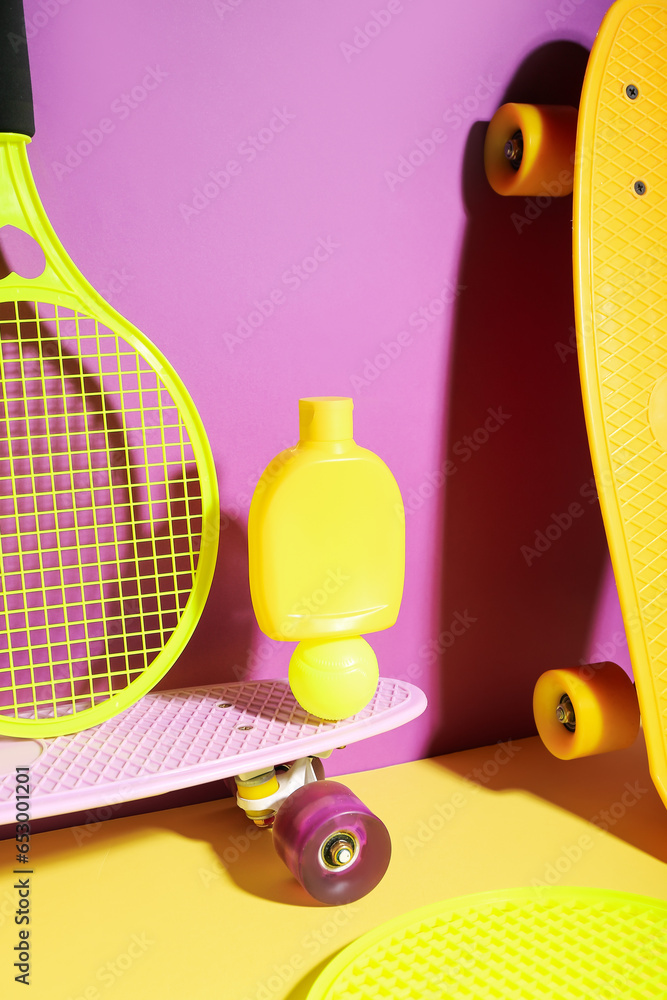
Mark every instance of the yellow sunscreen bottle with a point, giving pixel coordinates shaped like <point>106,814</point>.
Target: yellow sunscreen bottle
<point>326,544</point>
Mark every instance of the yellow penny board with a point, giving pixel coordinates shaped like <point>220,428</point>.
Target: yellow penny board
<point>620,282</point>
<point>517,944</point>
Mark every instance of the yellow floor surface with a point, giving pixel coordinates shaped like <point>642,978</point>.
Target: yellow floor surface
<point>193,904</point>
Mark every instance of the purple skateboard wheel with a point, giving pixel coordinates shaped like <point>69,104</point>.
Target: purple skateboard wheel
<point>333,845</point>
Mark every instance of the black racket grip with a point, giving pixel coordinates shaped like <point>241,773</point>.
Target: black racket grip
<point>16,114</point>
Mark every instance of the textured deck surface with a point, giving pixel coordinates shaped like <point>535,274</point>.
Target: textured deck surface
<point>515,945</point>
<point>621,277</point>
<point>173,739</point>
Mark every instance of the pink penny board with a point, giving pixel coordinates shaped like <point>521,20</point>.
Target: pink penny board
<point>175,739</point>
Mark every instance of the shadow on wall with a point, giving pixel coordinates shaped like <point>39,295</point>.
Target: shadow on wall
<point>218,650</point>
<point>524,546</point>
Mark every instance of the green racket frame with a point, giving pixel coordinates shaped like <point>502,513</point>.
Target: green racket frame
<point>63,286</point>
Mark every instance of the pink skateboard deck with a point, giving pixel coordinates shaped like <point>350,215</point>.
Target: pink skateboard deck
<point>176,739</point>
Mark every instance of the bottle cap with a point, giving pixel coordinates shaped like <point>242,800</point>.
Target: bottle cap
<point>325,418</point>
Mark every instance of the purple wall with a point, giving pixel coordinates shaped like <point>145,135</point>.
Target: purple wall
<point>288,199</point>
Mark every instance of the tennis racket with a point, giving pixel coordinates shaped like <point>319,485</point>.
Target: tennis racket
<point>109,512</point>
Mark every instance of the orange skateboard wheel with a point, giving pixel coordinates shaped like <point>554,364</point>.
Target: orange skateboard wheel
<point>529,149</point>
<point>580,711</point>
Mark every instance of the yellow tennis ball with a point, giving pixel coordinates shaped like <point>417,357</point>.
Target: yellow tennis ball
<point>334,678</point>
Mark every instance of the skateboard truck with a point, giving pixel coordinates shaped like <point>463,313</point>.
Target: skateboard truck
<point>261,793</point>
<point>252,732</point>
